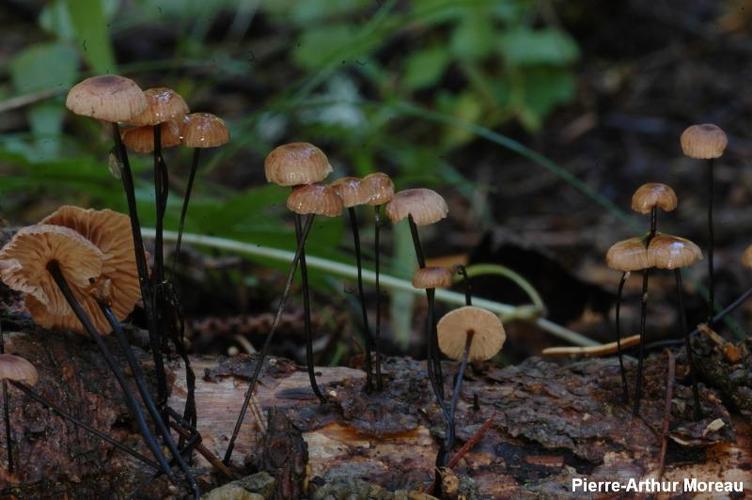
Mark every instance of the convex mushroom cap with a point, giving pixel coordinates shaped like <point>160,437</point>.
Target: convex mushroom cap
<point>316,199</point>
<point>204,130</point>
<point>705,141</point>
<point>628,255</point>
<point>432,277</point>
<point>350,191</point>
<point>654,195</point>
<point>163,104</point>
<point>747,257</point>
<point>671,252</point>
<point>487,329</point>
<point>378,187</point>
<point>18,369</point>
<point>141,139</point>
<point>296,164</point>
<point>425,205</point>
<point>111,98</point>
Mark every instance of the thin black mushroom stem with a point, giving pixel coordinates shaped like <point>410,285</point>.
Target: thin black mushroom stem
<point>711,238</point>
<point>377,270</point>
<point>143,389</point>
<point>619,292</point>
<point>6,409</point>
<point>369,341</point>
<point>143,274</point>
<point>307,224</point>
<point>184,208</point>
<point>54,269</point>
<point>456,393</point>
<point>643,314</point>
<point>690,360</point>
<point>462,271</point>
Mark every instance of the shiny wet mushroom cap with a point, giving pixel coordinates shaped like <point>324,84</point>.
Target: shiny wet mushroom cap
<point>432,277</point>
<point>487,329</point>
<point>163,104</point>
<point>705,141</point>
<point>349,189</point>
<point>23,264</point>
<point>315,199</point>
<point>672,252</point>
<point>425,205</point>
<point>654,195</point>
<point>379,188</point>
<point>111,98</point>
<point>296,164</point>
<point>204,130</point>
<point>17,369</point>
<point>628,255</point>
<point>141,139</point>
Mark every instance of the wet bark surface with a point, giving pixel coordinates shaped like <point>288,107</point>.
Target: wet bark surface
<point>549,422</point>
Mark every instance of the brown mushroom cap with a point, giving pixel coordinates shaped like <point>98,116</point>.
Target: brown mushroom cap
<point>651,195</point>
<point>141,139</point>
<point>17,369</point>
<point>315,199</point>
<point>204,130</point>
<point>296,164</point>
<point>488,333</point>
<point>111,98</point>
<point>704,141</point>
<point>747,257</point>
<point>379,187</point>
<point>671,252</point>
<point>349,189</point>
<point>432,277</point>
<point>163,104</point>
<point>628,255</point>
<point>118,284</point>
<point>24,260</point>
<point>425,205</point>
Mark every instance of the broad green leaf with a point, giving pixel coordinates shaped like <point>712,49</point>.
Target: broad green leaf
<point>474,36</point>
<point>91,29</point>
<point>543,88</point>
<point>425,67</point>
<point>526,47</point>
<point>44,66</point>
<point>317,46</point>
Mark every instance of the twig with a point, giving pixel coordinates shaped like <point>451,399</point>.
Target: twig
<point>470,443</point>
<point>667,411</point>
<point>592,351</point>
<point>213,459</point>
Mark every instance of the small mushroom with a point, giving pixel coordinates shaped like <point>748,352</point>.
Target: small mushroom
<point>296,164</point>
<point>432,277</point>
<point>14,369</point>
<point>141,139</point>
<point>706,141</point>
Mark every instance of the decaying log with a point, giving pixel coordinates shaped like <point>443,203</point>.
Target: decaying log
<point>550,422</point>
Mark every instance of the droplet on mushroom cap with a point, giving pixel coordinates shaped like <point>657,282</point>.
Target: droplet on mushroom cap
<point>111,98</point>
<point>432,277</point>
<point>628,255</point>
<point>652,195</point>
<point>672,252</point>
<point>379,188</point>
<point>296,164</point>
<point>18,369</point>
<point>488,333</point>
<point>204,130</point>
<point>349,189</point>
<point>141,139</point>
<point>316,199</point>
<point>704,141</point>
<point>23,263</point>
<point>425,205</point>
<point>163,104</point>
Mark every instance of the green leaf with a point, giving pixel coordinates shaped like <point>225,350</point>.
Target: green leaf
<point>526,47</point>
<point>425,67</point>
<point>317,46</point>
<point>44,66</point>
<point>91,29</point>
<point>543,88</point>
<point>474,36</point>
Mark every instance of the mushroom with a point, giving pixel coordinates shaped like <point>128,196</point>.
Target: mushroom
<point>351,193</point>
<point>13,368</point>
<point>297,164</point>
<point>423,207</point>
<point>674,253</point>
<point>467,334</point>
<point>200,131</point>
<point>706,141</point>
<point>432,277</point>
<point>55,266</point>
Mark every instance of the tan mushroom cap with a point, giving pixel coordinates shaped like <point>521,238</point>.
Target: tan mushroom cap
<point>23,264</point>
<point>141,139</point>
<point>18,369</point>
<point>296,164</point>
<point>204,130</point>
<point>163,104</point>
<point>488,333</point>
<point>379,187</point>
<point>704,141</point>
<point>315,199</point>
<point>349,189</point>
<point>671,252</point>
<point>432,277</point>
<point>628,255</point>
<point>747,257</point>
<point>652,195</point>
<point>111,98</point>
<point>118,284</point>
<point>425,205</point>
